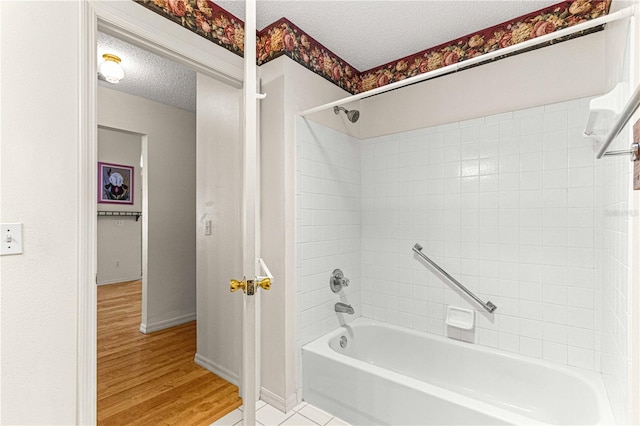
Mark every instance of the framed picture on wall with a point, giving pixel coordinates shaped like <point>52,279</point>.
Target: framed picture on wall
<point>115,183</point>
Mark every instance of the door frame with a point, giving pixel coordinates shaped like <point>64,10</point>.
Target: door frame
<point>134,24</point>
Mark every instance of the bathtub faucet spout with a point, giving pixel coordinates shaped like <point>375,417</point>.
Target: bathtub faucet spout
<point>343,308</point>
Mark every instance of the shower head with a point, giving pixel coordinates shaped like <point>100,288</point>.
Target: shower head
<point>352,115</point>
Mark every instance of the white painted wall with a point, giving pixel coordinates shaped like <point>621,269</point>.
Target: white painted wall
<point>38,180</point>
<point>219,255</point>
<point>565,71</point>
<point>169,202</point>
<point>274,229</point>
<point>40,139</point>
<point>120,239</point>
<point>290,88</point>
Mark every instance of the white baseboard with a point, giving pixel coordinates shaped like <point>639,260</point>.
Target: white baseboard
<point>277,401</point>
<point>217,369</point>
<point>171,322</point>
<point>120,280</point>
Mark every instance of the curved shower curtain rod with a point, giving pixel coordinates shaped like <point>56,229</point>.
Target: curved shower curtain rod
<point>621,14</point>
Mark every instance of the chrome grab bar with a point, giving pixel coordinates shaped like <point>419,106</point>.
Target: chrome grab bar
<point>625,116</point>
<point>490,307</point>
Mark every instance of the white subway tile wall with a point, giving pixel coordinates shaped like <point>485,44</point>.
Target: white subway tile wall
<point>514,206</point>
<point>506,205</point>
<point>615,230</point>
<point>327,229</point>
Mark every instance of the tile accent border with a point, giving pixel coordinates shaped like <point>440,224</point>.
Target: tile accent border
<point>284,38</point>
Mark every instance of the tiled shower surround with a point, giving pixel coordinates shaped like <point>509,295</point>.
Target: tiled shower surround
<point>615,222</point>
<point>506,205</point>
<point>511,205</point>
<point>328,231</point>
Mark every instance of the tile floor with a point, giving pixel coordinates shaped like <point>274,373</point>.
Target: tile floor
<point>266,415</point>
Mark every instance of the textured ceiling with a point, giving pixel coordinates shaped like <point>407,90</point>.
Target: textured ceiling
<point>364,33</point>
<point>150,76</point>
<point>369,33</point>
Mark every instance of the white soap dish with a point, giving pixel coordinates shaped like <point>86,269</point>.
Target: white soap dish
<point>460,317</point>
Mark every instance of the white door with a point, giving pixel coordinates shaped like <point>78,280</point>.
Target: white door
<point>228,210</point>
<point>256,273</point>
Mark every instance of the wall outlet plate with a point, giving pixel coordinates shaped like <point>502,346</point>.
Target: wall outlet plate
<point>10,239</point>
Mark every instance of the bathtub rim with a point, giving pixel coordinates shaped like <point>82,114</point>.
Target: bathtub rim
<point>592,379</point>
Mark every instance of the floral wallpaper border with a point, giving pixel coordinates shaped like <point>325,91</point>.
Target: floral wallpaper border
<point>204,18</point>
<point>284,38</point>
<point>518,30</point>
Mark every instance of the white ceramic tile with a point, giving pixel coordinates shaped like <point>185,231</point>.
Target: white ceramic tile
<point>580,297</point>
<point>581,157</point>
<point>230,419</point>
<point>488,338</point>
<point>581,338</point>
<point>580,317</point>
<point>531,161</point>
<point>318,416</point>
<point>554,159</point>
<point>337,422</point>
<point>531,347</point>
<point>554,314</point>
<point>554,294</point>
<point>300,406</point>
<point>531,329</point>
<point>509,342</point>
<point>531,124</point>
<point>530,310</point>
<point>579,357</point>
<point>555,333</point>
<point>298,420</point>
<point>259,404</point>
<point>270,416</point>
<point>555,121</point>
<point>555,179</point>
<point>554,352</point>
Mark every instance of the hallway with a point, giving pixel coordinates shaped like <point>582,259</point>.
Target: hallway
<point>152,379</point>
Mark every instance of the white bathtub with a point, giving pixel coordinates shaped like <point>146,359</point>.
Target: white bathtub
<point>392,375</point>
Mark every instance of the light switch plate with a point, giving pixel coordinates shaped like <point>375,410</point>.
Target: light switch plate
<point>10,239</point>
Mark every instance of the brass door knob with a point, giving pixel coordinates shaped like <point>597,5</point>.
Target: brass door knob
<point>236,285</point>
<point>265,283</point>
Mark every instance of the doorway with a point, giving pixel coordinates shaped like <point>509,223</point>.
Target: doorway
<point>174,194</point>
<point>119,206</point>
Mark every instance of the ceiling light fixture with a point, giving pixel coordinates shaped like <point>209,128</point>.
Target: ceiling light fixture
<point>111,69</point>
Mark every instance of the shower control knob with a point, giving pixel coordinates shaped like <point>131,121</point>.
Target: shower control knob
<point>338,280</point>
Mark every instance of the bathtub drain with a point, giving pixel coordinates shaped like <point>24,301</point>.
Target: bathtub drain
<point>343,342</point>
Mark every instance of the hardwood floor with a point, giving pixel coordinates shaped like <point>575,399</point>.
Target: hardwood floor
<point>151,379</point>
